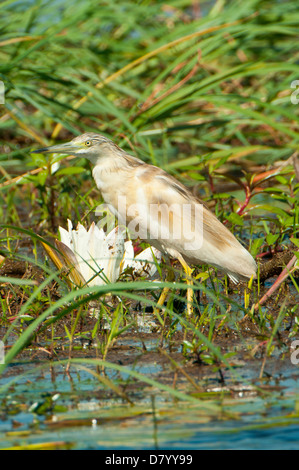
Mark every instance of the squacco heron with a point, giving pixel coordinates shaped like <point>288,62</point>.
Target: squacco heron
<point>161,210</point>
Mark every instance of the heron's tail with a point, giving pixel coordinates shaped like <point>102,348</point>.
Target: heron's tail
<point>240,266</point>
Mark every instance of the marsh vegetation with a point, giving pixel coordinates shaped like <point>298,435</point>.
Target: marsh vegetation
<point>206,91</point>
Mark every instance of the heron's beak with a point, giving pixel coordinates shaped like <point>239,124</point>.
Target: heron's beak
<point>68,148</point>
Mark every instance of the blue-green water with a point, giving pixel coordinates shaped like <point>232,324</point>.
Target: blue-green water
<point>47,406</point>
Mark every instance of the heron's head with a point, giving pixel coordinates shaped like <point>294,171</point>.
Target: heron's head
<point>89,145</point>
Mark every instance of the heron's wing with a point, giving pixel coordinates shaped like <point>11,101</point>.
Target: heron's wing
<point>171,212</point>
<point>180,223</point>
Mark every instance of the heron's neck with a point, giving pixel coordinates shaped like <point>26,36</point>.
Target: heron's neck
<point>106,152</point>
<point>112,169</point>
<point>113,158</point>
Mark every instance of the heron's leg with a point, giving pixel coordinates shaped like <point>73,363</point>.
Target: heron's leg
<point>188,272</point>
<point>163,296</point>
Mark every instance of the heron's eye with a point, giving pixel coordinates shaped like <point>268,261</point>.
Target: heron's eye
<point>88,143</point>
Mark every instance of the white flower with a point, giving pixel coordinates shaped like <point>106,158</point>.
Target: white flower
<point>98,257</point>
<point>95,258</point>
